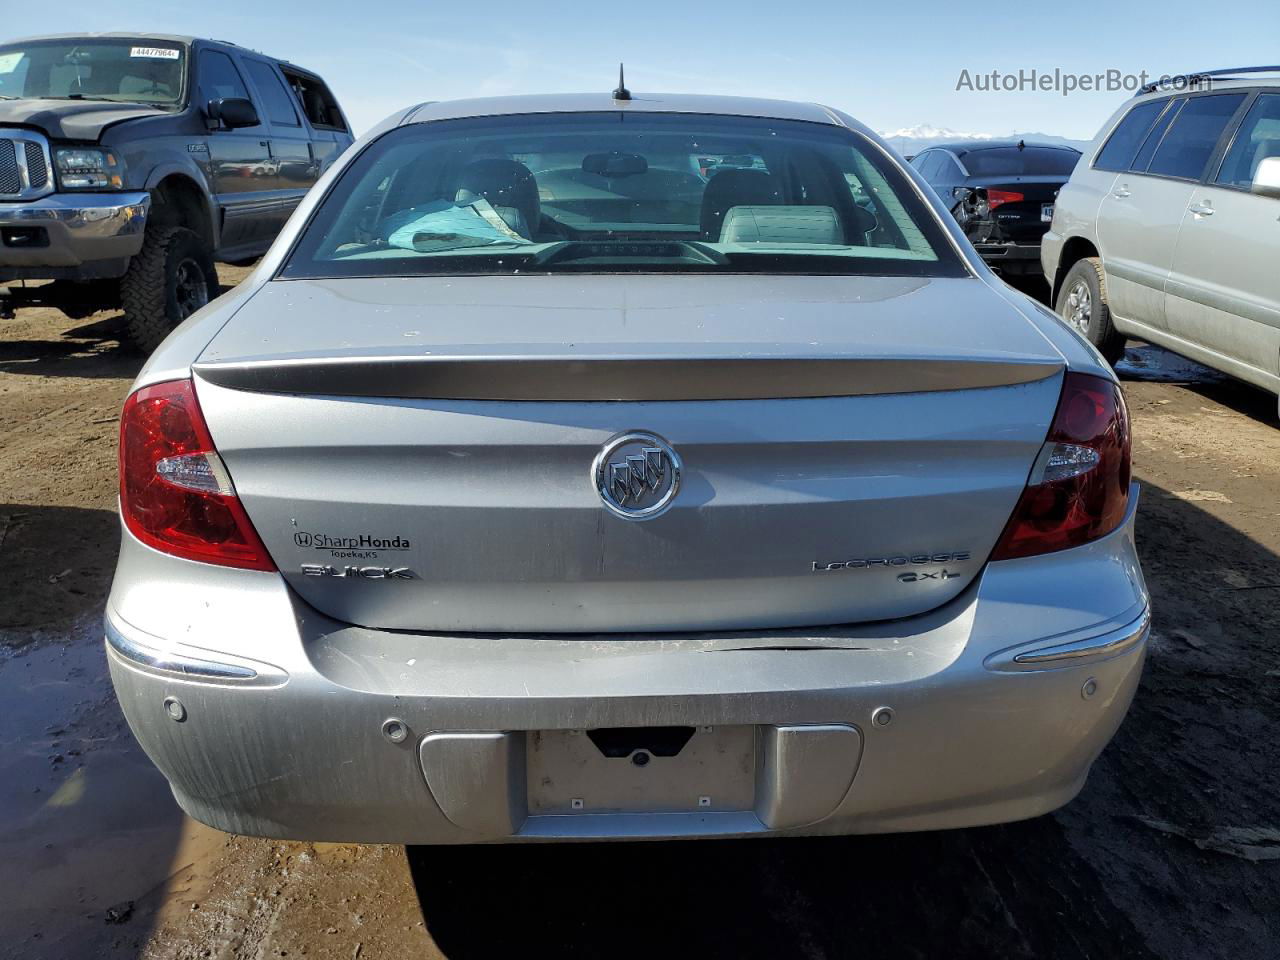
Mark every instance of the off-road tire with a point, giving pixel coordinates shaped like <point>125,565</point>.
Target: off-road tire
<point>1094,321</point>
<point>162,285</point>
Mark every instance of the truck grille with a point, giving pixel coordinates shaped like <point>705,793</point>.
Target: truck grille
<point>24,165</point>
<point>10,179</point>
<point>37,170</point>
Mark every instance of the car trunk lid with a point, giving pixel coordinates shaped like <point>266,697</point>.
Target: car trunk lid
<point>418,453</point>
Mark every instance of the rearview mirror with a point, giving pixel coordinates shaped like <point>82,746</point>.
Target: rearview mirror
<point>234,112</point>
<point>614,164</point>
<point>1266,179</point>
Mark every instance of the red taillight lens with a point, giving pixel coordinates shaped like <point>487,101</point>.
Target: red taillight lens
<point>175,494</point>
<point>997,197</point>
<point>1078,490</point>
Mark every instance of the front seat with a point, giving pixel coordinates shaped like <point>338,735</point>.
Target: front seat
<point>734,188</point>
<point>509,187</point>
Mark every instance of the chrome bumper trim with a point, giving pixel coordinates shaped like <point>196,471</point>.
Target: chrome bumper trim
<point>99,215</point>
<point>1113,639</point>
<point>1109,644</point>
<point>184,665</point>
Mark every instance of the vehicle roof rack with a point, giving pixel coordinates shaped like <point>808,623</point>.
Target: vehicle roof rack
<point>1202,76</point>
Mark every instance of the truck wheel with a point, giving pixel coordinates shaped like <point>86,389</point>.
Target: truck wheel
<point>171,278</point>
<point>1082,303</point>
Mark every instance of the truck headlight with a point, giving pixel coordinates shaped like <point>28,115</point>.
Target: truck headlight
<point>88,168</point>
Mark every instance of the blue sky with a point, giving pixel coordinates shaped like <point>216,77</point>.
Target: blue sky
<point>891,65</point>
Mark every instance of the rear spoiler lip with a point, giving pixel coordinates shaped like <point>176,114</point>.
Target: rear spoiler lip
<point>613,378</point>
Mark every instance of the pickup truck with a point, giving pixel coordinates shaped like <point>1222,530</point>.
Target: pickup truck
<point>130,163</point>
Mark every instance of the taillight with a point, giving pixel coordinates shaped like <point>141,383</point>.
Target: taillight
<point>1078,490</point>
<point>996,198</point>
<point>175,493</point>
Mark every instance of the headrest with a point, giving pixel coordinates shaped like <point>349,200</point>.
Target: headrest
<point>734,188</point>
<point>774,224</point>
<point>504,183</point>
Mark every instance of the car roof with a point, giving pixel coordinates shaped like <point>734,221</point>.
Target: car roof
<point>639,103</point>
<point>961,147</point>
<point>1210,81</point>
<point>184,39</point>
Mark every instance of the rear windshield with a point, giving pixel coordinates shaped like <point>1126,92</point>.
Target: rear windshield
<point>614,192</point>
<point>95,68</point>
<point>1027,162</point>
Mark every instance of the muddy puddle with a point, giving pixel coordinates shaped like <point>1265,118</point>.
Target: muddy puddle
<point>88,828</point>
<point>1155,364</point>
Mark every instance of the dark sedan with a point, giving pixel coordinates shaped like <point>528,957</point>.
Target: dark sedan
<point>1002,193</point>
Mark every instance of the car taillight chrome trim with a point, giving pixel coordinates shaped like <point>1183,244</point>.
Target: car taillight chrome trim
<point>1062,461</point>
<point>197,471</point>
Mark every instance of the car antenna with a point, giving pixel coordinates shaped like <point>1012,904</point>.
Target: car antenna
<point>622,93</point>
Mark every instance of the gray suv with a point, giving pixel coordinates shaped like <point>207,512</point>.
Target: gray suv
<point>1170,228</point>
<point>129,163</point>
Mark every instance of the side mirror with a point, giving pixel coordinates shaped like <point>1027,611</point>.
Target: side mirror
<point>234,112</point>
<point>962,194</point>
<point>1266,180</point>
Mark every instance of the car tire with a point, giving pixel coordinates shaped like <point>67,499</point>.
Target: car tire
<point>1082,305</point>
<point>170,278</point>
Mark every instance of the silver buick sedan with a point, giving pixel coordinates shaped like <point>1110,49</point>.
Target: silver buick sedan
<point>606,466</point>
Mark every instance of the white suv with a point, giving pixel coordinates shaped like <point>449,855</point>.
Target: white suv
<point>1169,230</point>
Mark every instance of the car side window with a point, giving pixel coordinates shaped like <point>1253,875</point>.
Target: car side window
<point>1257,139</point>
<point>1122,146</point>
<point>275,98</point>
<point>930,166</point>
<point>316,101</point>
<point>949,170</point>
<point>219,78</point>
<point>1193,136</point>
<point>1152,142</point>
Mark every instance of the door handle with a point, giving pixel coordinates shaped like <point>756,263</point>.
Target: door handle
<point>1120,193</point>
<point>1202,209</point>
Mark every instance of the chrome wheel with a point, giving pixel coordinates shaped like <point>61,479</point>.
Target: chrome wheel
<point>190,288</point>
<point>1079,306</point>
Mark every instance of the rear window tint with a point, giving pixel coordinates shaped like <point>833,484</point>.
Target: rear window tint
<point>619,192</point>
<point>274,96</point>
<point>1027,162</point>
<point>1193,136</point>
<point>1122,145</point>
<point>1143,159</point>
<point>1257,139</point>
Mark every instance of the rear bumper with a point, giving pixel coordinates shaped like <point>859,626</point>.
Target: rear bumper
<point>997,705</point>
<point>63,232</point>
<point>1011,257</point>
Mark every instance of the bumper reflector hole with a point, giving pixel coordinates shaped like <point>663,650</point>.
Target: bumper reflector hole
<point>395,730</point>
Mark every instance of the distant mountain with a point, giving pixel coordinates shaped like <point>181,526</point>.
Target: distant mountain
<point>911,140</point>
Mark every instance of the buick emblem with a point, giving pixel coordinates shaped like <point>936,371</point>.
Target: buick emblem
<point>637,475</point>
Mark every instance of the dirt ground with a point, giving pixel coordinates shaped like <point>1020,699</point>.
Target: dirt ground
<point>1172,850</point>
